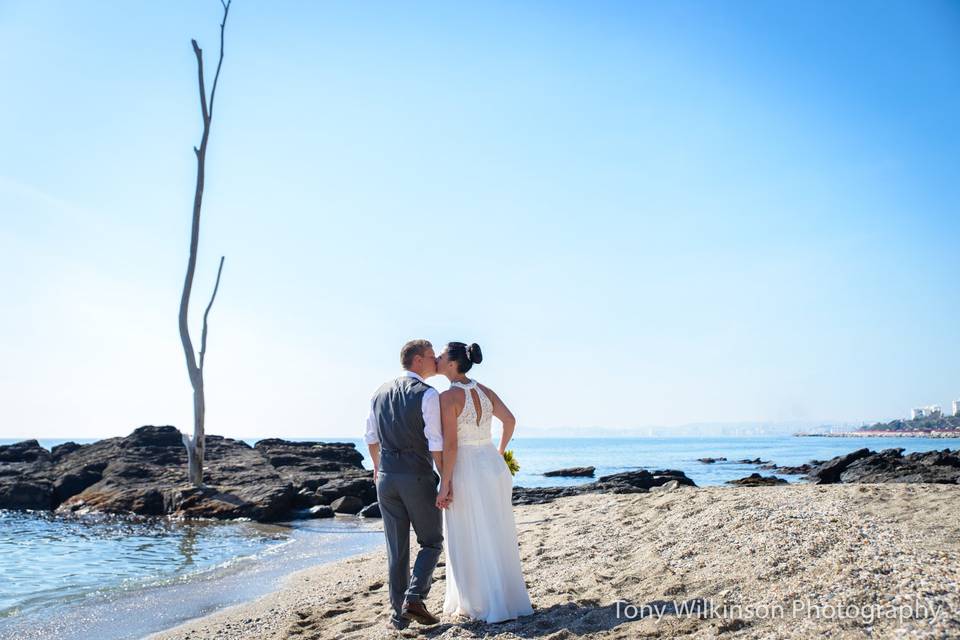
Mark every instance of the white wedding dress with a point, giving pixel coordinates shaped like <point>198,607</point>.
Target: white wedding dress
<point>484,578</point>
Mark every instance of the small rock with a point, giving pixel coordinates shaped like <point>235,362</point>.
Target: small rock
<point>572,472</point>
<point>320,511</point>
<point>347,504</point>
<point>371,510</point>
<point>667,487</point>
<point>756,480</point>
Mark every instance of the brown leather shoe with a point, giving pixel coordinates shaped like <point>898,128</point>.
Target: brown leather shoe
<point>416,610</point>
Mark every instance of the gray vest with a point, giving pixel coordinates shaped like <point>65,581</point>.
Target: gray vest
<point>398,408</point>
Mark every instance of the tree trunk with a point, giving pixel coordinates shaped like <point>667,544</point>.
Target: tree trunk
<point>196,445</point>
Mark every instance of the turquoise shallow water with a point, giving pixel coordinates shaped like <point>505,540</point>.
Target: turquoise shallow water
<point>53,559</point>
<point>113,578</point>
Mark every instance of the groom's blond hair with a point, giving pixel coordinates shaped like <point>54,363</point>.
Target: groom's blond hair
<point>413,349</point>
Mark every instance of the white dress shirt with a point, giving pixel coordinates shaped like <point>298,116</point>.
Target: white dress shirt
<point>431,419</point>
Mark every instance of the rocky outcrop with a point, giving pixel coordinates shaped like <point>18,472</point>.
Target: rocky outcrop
<point>890,465</point>
<point>572,472</point>
<point>798,470</point>
<point>145,474</point>
<point>320,472</point>
<point>829,472</point>
<point>26,479</point>
<point>639,481</point>
<point>757,480</point>
<point>711,460</point>
<point>753,461</point>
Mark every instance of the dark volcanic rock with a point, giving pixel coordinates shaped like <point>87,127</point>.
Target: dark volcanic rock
<point>371,510</point>
<point>890,465</point>
<point>754,461</point>
<point>145,474</point>
<point>829,472</point>
<point>63,449</point>
<point>77,479</point>
<point>539,495</point>
<point>572,472</point>
<point>321,511</point>
<point>711,460</point>
<point>639,481</point>
<point>34,494</point>
<point>26,451</point>
<point>757,480</point>
<point>327,470</point>
<point>800,470</point>
<point>26,477</point>
<point>643,479</point>
<point>361,488</point>
<point>347,504</point>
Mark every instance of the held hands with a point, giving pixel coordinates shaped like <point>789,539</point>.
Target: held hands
<point>444,495</point>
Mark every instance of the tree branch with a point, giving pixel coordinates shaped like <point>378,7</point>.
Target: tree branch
<point>203,334</point>
<point>203,89</point>
<point>216,76</point>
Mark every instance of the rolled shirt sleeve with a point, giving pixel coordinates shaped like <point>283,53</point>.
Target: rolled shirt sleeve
<point>370,436</point>
<point>431,419</point>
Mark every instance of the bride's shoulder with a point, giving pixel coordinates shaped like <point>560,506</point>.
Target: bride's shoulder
<point>454,394</point>
<point>487,390</point>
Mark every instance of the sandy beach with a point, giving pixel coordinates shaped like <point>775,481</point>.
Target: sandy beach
<point>799,561</point>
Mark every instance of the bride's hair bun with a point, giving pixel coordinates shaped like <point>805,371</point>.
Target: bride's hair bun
<point>464,355</point>
<point>474,354</point>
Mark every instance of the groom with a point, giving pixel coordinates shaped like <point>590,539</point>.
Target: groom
<point>405,440</point>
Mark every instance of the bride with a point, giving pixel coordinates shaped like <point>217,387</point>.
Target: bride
<point>484,578</point>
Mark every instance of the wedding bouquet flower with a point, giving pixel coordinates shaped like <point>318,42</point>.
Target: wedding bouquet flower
<point>512,463</point>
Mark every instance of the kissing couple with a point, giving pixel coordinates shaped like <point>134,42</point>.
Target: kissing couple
<point>412,428</point>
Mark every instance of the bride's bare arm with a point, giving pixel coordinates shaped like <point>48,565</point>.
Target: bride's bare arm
<point>504,415</point>
<point>448,422</point>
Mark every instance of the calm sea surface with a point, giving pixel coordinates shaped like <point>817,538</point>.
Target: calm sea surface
<point>112,578</point>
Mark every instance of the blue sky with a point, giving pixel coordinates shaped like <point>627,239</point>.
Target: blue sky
<point>646,213</point>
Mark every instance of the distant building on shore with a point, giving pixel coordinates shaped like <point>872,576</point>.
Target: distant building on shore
<point>956,407</point>
<point>932,411</point>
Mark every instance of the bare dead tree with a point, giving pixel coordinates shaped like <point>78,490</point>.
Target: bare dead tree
<point>196,445</point>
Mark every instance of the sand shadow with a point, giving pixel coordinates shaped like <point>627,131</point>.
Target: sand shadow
<point>577,618</point>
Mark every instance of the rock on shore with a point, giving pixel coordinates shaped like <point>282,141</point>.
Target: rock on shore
<point>798,470</point>
<point>145,474</point>
<point>757,480</point>
<point>639,481</point>
<point>890,465</point>
<point>572,472</point>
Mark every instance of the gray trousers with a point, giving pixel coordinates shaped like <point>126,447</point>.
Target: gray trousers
<point>405,499</point>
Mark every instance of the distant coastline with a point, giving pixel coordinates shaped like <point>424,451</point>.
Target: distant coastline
<point>933,426</point>
<point>878,433</point>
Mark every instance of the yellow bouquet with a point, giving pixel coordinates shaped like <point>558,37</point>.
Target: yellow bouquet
<point>512,463</point>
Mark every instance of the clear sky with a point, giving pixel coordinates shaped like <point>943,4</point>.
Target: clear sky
<point>647,213</point>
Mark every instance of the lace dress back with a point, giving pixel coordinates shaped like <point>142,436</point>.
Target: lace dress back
<point>471,428</point>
